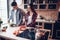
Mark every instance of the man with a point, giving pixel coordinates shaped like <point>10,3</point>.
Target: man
<point>16,14</point>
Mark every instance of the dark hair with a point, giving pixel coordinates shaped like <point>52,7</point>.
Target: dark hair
<point>32,8</point>
<point>13,4</point>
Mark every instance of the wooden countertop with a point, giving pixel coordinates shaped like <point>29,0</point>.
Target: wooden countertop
<point>40,20</point>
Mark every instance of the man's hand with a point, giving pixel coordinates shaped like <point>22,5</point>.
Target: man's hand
<point>8,21</point>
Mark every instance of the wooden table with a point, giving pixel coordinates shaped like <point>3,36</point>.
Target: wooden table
<point>45,21</point>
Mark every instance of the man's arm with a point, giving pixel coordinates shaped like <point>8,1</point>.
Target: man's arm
<point>10,17</point>
<point>21,14</point>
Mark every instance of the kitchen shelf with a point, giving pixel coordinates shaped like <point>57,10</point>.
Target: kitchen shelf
<point>42,4</point>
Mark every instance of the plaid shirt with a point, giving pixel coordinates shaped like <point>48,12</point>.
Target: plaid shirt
<point>34,17</point>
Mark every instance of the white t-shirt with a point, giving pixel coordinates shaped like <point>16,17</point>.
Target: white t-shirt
<point>14,17</point>
<point>29,20</point>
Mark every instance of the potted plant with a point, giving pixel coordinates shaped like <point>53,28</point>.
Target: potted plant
<point>0,22</point>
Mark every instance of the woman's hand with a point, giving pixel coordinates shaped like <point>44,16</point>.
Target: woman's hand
<point>16,32</point>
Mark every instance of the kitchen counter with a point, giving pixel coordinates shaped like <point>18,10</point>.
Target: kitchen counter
<point>9,34</point>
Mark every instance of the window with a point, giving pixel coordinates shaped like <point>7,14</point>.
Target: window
<point>40,1</point>
<point>42,6</point>
<point>52,6</point>
<point>34,1</point>
<point>35,6</point>
<point>59,15</point>
<point>25,6</point>
<point>26,1</point>
<point>3,10</point>
<point>51,1</point>
<point>55,1</point>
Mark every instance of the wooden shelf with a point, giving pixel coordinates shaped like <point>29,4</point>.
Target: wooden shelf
<point>44,4</point>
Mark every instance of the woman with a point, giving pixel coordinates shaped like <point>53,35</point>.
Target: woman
<point>30,20</point>
<point>31,16</point>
